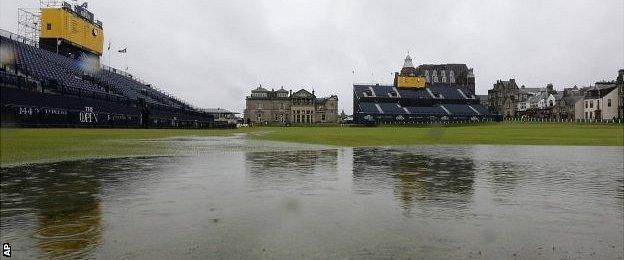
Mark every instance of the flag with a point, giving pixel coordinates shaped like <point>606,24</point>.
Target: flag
<point>124,50</point>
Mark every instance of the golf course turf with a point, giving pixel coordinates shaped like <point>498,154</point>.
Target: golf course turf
<point>25,145</point>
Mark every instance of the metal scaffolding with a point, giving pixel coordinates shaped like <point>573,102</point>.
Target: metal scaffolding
<point>28,24</point>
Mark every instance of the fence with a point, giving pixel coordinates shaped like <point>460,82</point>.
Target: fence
<point>568,120</point>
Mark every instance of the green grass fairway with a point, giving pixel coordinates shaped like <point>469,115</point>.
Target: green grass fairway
<point>494,133</point>
<point>24,145</point>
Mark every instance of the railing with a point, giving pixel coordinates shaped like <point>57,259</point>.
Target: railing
<point>148,85</point>
<point>565,120</point>
<point>51,3</point>
<point>18,38</point>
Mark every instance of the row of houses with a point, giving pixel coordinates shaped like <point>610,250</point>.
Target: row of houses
<point>603,100</point>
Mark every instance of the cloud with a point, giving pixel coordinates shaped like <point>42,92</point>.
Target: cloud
<point>213,53</point>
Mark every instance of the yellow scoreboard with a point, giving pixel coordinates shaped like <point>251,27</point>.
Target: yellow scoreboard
<point>411,82</point>
<point>59,23</point>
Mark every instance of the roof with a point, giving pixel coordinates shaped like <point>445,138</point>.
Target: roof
<point>532,90</point>
<point>600,89</point>
<point>458,66</point>
<point>303,93</point>
<point>217,111</point>
<point>601,86</point>
<point>506,83</point>
<point>260,89</point>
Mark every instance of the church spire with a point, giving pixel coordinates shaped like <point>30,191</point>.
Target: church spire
<point>408,62</point>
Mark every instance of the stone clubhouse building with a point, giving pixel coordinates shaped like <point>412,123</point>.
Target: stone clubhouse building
<point>287,107</point>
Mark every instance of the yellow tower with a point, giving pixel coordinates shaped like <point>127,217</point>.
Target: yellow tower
<point>408,77</point>
<point>71,31</point>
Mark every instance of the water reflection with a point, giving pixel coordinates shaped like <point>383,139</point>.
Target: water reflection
<point>59,204</point>
<point>414,176</point>
<point>284,169</point>
<point>504,177</point>
<point>289,203</point>
<point>64,199</point>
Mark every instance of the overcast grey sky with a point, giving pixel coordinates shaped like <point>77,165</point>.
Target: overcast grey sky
<point>212,53</point>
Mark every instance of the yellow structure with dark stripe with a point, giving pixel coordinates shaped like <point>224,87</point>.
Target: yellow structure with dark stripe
<point>411,82</point>
<point>59,23</point>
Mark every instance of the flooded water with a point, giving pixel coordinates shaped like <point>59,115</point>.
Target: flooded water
<point>240,199</point>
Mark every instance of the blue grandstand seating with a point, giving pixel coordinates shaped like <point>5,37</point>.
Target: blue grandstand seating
<point>369,108</point>
<point>414,93</point>
<point>46,65</point>
<point>482,110</point>
<point>427,111</point>
<point>460,110</point>
<point>447,92</point>
<point>434,102</point>
<point>391,108</point>
<point>31,60</point>
<point>71,85</point>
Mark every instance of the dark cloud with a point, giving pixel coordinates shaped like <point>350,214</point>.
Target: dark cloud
<point>213,52</point>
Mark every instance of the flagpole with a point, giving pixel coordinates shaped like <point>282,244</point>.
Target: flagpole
<point>109,53</point>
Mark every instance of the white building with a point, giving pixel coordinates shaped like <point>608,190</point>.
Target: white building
<point>541,101</point>
<point>601,102</point>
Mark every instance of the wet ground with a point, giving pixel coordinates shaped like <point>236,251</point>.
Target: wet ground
<point>228,197</point>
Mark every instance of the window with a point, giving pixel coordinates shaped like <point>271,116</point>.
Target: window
<point>281,105</point>
<point>259,105</point>
<point>49,26</point>
<point>452,76</point>
<point>323,117</point>
<point>586,104</point>
<point>591,105</point>
<point>276,117</point>
<point>586,115</point>
<point>608,102</point>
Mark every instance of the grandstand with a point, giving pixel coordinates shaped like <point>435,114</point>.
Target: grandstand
<point>44,85</point>
<point>414,99</point>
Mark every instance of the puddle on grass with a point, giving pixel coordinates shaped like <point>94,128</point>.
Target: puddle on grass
<point>231,197</point>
